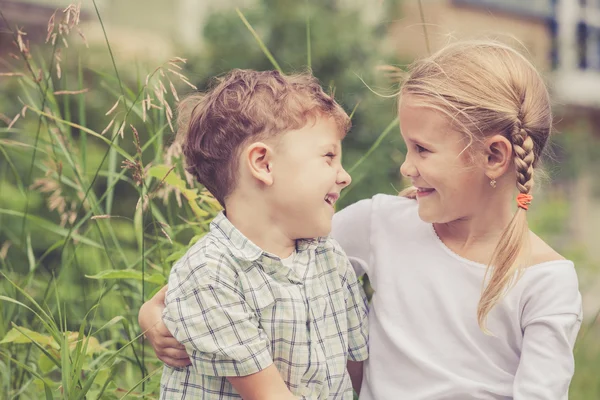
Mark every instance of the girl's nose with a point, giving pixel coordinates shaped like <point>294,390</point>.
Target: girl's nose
<point>408,169</point>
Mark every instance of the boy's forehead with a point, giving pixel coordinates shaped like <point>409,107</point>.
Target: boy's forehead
<point>329,129</point>
<point>317,132</point>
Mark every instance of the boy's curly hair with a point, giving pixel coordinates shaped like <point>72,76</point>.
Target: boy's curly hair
<point>244,106</point>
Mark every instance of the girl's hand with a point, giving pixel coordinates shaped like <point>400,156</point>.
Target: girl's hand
<point>166,347</point>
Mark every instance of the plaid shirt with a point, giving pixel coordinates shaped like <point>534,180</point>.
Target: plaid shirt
<point>238,309</point>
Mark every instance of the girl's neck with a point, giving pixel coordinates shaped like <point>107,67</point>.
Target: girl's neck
<point>476,236</point>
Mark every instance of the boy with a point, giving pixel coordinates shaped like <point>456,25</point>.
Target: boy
<point>265,304</point>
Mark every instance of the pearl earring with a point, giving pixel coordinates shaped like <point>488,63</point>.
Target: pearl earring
<point>493,183</point>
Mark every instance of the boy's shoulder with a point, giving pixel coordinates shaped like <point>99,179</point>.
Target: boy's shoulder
<point>329,244</point>
<point>330,250</point>
<point>209,254</point>
<point>222,252</point>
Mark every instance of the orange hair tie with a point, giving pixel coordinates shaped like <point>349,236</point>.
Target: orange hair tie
<point>524,200</point>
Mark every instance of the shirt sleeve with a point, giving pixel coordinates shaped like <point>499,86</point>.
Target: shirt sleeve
<point>351,228</point>
<point>356,312</point>
<point>551,320</point>
<point>207,313</point>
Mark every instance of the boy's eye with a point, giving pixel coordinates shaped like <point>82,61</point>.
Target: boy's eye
<point>420,149</point>
<point>330,155</point>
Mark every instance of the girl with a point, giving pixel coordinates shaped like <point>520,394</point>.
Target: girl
<point>468,303</point>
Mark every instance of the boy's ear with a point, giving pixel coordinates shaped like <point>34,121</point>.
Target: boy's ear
<point>498,156</point>
<point>259,161</point>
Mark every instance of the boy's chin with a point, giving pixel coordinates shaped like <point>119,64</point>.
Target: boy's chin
<point>315,232</point>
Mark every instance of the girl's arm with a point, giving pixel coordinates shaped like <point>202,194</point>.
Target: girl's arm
<point>547,364</point>
<point>550,320</point>
<point>166,347</point>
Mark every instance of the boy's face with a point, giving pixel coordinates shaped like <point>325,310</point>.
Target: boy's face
<point>308,178</point>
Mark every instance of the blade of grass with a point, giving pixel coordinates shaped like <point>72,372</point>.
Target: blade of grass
<point>144,380</point>
<point>88,385</point>
<point>112,57</point>
<point>375,145</point>
<point>308,50</point>
<point>422,14</point>
<point>14,170</point>
<point>259,41</point>
<point>82,120</point>
<point>112,168</point>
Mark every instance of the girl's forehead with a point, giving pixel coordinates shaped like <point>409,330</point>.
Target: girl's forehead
<point>420,120</point>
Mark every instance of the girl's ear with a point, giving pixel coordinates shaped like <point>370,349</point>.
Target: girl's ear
<point>258,158</point>
<point>498,156</point>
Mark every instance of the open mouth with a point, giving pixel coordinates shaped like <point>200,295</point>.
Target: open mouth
<point>331,198</point>
<point>424,191</point>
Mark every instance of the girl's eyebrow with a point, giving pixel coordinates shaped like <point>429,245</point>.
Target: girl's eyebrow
<point>419,141</point>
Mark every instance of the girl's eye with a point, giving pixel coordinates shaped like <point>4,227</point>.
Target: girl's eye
<point>330,155</point>
<point>420,149</point>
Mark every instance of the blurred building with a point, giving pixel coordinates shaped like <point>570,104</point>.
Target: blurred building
<point>562,37</point>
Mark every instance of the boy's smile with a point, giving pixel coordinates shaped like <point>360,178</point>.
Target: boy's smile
<point>331,198</point>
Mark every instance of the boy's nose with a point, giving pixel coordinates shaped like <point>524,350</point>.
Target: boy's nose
<point>343,178</point>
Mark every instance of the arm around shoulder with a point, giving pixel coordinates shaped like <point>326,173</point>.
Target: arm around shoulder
<point>551,319</point>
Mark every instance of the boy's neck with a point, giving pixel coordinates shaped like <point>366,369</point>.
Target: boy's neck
<point>254,221</point>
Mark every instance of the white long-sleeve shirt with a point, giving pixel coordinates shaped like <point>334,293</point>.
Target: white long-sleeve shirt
<point>425,342</point>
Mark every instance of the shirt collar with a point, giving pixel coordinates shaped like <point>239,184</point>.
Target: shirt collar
<point>243,248</point>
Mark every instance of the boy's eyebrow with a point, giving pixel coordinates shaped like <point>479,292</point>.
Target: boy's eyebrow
<point>335,146</point>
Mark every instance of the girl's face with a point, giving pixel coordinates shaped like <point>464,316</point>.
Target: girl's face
<point>450,183</point>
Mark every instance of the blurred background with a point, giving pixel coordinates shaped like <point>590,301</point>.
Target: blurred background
<point>95,205</point>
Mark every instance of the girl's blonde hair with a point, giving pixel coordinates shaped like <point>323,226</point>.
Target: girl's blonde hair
<point>488,88</point>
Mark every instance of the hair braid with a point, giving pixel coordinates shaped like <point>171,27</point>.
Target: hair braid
<point>524,157</point>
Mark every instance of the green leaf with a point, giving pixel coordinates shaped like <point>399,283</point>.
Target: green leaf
<point>17,336</point>
<point>45,364</point>
<point>39,346</point>
<point>158,279</point>
<point>166,173</point>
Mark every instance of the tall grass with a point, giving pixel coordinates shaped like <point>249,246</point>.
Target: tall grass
<point>69,315</point>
